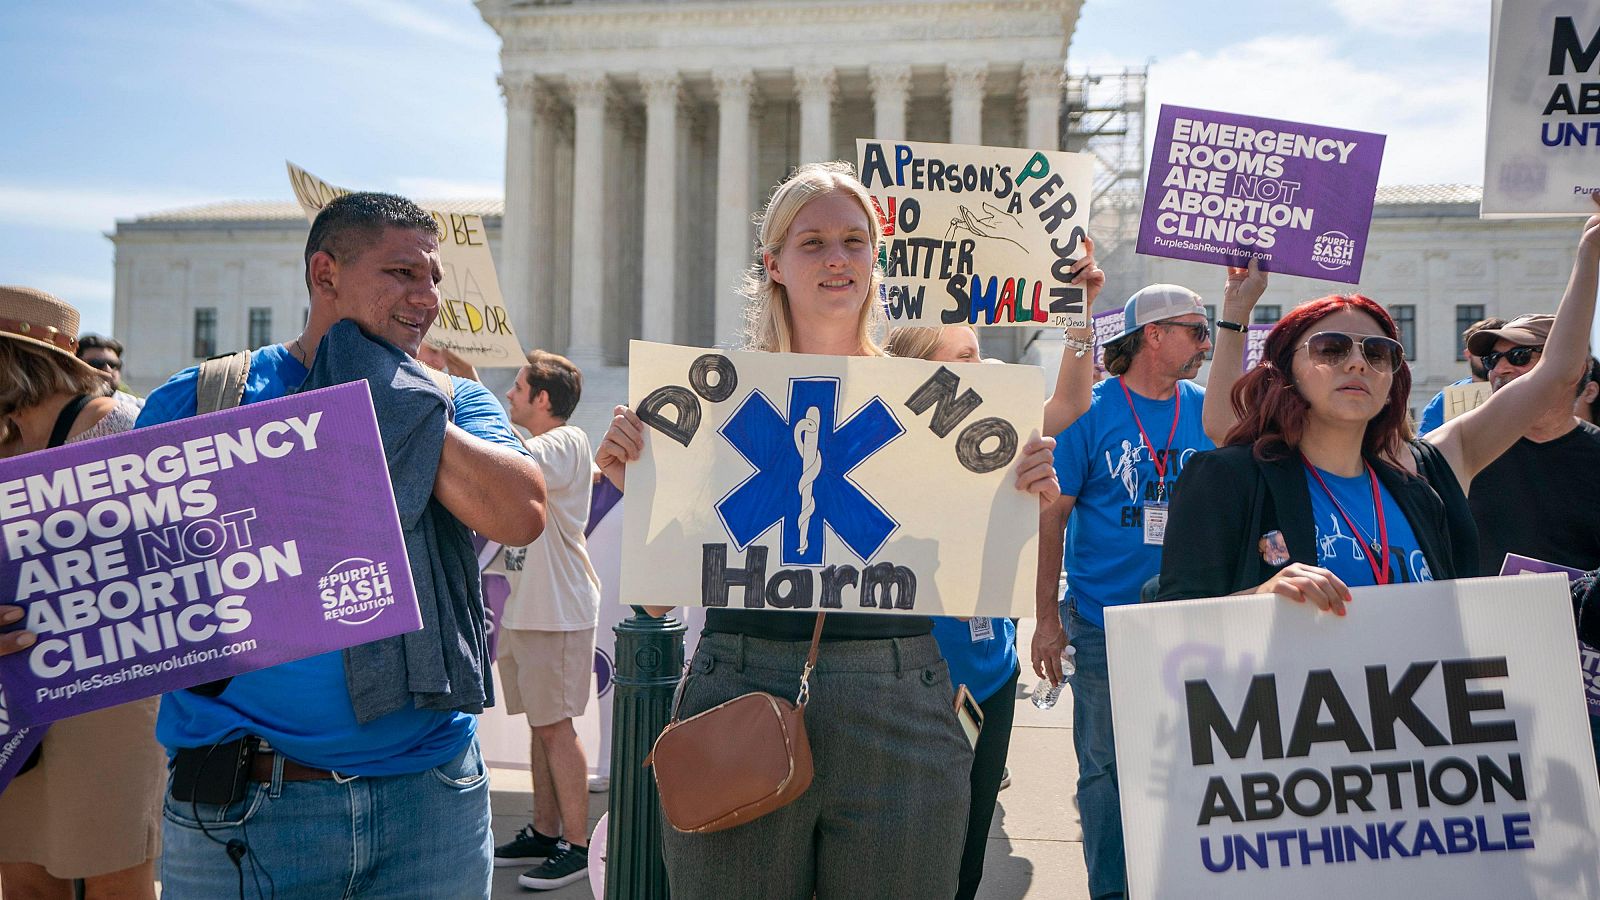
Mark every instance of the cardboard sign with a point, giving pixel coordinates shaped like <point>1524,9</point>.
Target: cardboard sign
<point>1226,189</point>
<point>1588,656</point>
<point>852,484</point>
<point>182,553</point>
<point>1459,398</point>
<point>473,320</point>
<point>979,235</point>
<point>1431,744</point>
<point>1543,154</point>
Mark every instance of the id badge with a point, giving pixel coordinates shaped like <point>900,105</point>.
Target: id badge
<point>982,628</point>
<point>1155,523</point>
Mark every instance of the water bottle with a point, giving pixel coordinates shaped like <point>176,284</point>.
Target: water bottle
<point>1046,694</point>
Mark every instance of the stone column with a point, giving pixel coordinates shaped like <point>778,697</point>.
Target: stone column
<point>516,267</point>
<point>816,86</point>
<point>660,279</point>
<point>734,234</point>
<point>541,317</point>
<point>891,85</point>
<point>588,215</point>
<point>964,81</point>
<point>1041,86</point>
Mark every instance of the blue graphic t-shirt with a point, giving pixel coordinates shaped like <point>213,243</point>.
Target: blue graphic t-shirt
<point>983,666</point>
<point>303,708</point>
<point>1103,461</point>
<point>1344,554</point>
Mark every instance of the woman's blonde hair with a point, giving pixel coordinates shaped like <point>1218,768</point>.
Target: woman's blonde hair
<point>30,375</point>
<point>916,341</point>
<point>768,321</point>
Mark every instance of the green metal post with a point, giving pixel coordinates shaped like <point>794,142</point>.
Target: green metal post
<point>649,662</point>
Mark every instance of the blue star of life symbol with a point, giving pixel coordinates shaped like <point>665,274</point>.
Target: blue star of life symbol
<point>803,463</point>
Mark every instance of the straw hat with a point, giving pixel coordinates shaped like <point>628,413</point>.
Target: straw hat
<point>35,317</point>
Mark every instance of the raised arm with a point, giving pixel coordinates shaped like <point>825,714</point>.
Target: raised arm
<point>493,490</point>
<point>1075,377</point>
<point>1476,438</point>
<point>1239,296</point>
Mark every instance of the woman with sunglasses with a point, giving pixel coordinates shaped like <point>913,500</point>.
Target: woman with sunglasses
<point>1319,484</point>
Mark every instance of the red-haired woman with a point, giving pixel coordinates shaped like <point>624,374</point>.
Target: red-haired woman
<point>1309,496</point>
<point>1273,413</point>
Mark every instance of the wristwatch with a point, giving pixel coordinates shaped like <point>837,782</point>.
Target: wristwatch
<point>1231,326</point>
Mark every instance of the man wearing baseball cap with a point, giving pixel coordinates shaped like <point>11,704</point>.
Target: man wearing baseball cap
<point>1117,464</point>
<point>1537,499</point>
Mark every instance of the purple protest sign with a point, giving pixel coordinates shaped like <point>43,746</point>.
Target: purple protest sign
<point>199,549</point>
<point>1588,657</point>
<point>1226,189</point>
<point>16,745</point>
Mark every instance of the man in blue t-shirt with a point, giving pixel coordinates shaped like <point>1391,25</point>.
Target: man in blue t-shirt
<point>1433,413</point>
<point>1117,464</point>
<point>398,805</point>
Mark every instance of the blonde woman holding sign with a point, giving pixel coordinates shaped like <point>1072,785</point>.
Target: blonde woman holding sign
<point>88,805</point>
<point>885,814</point>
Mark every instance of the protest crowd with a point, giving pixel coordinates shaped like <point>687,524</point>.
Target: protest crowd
<point>358,772</point>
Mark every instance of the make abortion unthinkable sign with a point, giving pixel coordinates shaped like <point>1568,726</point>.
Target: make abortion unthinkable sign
<point>979,235</point>
<point>199,549</point>
<point>1226,189</point>
<point>1433,743</point>
<point>830,483</point>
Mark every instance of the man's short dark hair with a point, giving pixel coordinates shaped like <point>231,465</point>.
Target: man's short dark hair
<point>353,222</point>
<point>557,376</point>
<point>1591,375</point>
<point>99,342</point>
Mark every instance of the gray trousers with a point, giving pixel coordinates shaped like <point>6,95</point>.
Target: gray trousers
<point>886,813</point>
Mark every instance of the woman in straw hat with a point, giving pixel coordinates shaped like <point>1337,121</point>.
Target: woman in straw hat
<point>88,804</point>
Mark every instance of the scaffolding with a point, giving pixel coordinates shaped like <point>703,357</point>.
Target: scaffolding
<point>1104,116</point>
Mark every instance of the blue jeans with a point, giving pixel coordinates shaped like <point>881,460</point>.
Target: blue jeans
<point>1099,800</point>
<point>423,835</point>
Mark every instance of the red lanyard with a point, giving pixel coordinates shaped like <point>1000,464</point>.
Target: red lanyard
<point>1379,549</point>
<point>1159,462</point>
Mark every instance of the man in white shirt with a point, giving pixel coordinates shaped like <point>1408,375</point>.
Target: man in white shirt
<point>546,641</point>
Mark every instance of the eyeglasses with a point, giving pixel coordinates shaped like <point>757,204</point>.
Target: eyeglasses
<point>1517,356</point>
<point>1332,348</point>
<point>105,365</point>
<point>1200,330</point>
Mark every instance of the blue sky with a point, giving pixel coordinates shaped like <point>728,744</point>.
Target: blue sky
<point>116,109</point>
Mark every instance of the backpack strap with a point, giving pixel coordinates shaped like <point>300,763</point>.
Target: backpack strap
<point>220,383</point>
<point>218,386</point>
<point>69,414</point>
<point>442,379</point>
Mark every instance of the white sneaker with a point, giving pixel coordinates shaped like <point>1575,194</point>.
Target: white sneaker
<point>1005,778</point>
<point>599,784</point>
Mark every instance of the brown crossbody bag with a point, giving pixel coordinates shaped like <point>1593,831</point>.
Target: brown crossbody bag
<point>737,761</point>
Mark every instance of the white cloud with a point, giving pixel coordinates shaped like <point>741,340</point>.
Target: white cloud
<point>447,189</point>
<point>83,208</point>
<point>1432,114</point>
<point>1415,18</point>
<point>400,15</point>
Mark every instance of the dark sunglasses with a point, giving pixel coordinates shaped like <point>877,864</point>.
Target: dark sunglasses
<point>1332,348</point>
<point>1200,330</point>
<point>1517,356</point>
<point>105,365</point>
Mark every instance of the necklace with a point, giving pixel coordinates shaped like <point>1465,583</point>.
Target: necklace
<point>299,352</point>
<point>1377,549</point>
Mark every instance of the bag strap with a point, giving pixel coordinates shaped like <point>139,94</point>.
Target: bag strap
<point>442,379</point>
<point>220,382</point>
<point>68,415</point>
<point>811,663</point>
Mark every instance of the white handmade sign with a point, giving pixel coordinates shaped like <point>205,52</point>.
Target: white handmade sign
<point>473,320</point>
<point>852,484</point>
<point>1543,155</point>
<point>1460,398</point>
<point>979,235</point>
<point>1431,744</point>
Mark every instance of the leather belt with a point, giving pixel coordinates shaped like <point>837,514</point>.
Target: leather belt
<point>261,769</point>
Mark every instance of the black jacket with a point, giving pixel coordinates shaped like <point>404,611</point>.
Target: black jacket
<point>1226,499</point>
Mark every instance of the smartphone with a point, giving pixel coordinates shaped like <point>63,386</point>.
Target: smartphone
<point>218,774</point>
<point>969,713</point>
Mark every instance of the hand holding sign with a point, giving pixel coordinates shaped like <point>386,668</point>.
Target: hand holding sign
<point>623,443</point>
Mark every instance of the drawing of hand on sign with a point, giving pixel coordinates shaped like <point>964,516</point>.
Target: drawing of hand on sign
<point>996,223</point>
